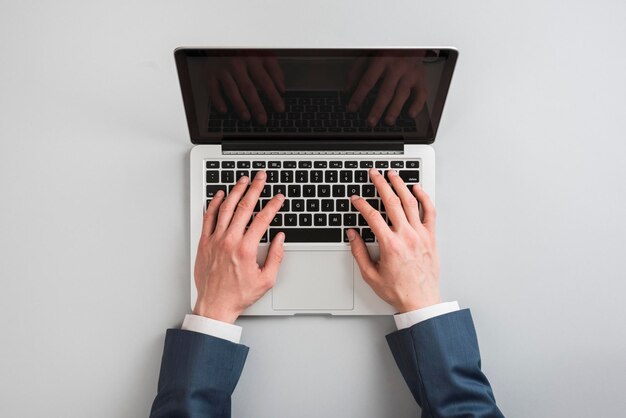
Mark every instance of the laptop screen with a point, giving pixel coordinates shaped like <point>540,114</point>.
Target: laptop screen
<point>314,93</point>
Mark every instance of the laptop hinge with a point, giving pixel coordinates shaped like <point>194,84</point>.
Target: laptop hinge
<point>312,146</point>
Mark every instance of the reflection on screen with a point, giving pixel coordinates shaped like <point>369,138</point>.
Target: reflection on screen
<point>315,93</point>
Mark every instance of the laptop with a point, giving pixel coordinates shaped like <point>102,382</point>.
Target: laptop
<point>316,120</point>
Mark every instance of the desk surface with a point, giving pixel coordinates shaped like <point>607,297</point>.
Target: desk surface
<point>93,198</point>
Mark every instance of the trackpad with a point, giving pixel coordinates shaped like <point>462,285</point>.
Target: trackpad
<point>314,280</point>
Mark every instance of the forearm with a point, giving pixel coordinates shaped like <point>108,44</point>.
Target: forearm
<point>440,361</point>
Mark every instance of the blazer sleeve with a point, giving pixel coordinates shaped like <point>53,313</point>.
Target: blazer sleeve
<point>440,361</point>
<point>198,376</point>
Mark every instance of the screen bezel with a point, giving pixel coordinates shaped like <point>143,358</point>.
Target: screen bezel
<point>182,53</point>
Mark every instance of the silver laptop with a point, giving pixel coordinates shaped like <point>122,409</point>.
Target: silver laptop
<point>316,120</point>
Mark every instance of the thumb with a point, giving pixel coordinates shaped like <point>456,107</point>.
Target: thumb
<point>274,256</point>
<point>359,251</point>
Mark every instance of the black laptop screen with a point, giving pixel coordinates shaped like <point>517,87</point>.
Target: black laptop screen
<point>314,93</point>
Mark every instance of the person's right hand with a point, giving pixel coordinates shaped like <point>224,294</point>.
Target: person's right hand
<point>407,274</point>
<point>238,79</point>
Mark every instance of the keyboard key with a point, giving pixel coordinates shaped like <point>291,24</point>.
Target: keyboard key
<point>277,221</point>
<point>339,190</point>
<point>302,176</point>
<point>330,176</point>
<point>258,164</point>
<point>308,190</point>
<point>410,176</point>
<point>273,164</point>
<point>367,234</point>
<point>381,164</point>
<point>323,190</point>
<point>362,221</point>
<point>294,190</point>
<point>212,164</point>
<point>297,205</point>
<point>353,189</point>
<point>291,219</point>
<point>312,205</point>
<point>228,176</point>
<point>345,235</point>
<point>336,164</point>
<point>319,219</point>
<point>343,205</point>
<point>397,164</point>
<point>317,176</point>
<point>286,176</point>
<point>328,205</point>
<point>264,202</point>
<point>373,203</point>
<point>305,219</point>
<point>212,189</point>
<point>308,234</point>
<point>241,173</point>
<point>345,176</point>
<point>267,191</point>
<point>349,219</point>
<point>319,164</point>
<point>243,164</point>
<point>351,164</point>
<point>412,164</point>
<point>360,176</point>
<point>285,206</point>
<point>212,176</point>
<point>334,219</point>
<point>280,188</point>
<point>304,164</point>
<point>264,237</point>
<point>228,164</point>
<point>368,190</point>
<point>272,176</point>
<point>366,164</point>
<point>289,164</point>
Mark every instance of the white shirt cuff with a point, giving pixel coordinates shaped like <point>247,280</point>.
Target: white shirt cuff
<point>208,326</point>
<point>408,319</point>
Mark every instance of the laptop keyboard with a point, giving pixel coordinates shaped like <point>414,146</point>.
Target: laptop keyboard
<point>310,112</point>
<point>317,193</point>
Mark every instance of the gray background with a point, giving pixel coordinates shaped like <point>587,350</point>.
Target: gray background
<point>94,191</point>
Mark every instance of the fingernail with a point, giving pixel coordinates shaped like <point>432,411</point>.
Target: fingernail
<point>281,238</point>
<point>392,172</point>
<point>242,179</point>
<point>354,197</point>
<point>374,171</point>
<point>351,234</point>
<point>261,175</point>
<point>418,186</point>
<point>280,197</point>
<point>219,193</point>
<point>372,120</point>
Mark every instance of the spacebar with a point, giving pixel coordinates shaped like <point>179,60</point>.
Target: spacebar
<point>308,234</point>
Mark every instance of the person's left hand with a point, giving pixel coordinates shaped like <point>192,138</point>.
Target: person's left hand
<point>227,276</point>
<point>402,80</point>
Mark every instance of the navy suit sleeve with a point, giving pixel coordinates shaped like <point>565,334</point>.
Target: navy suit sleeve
<point>440,361</point>
<point>198,376</point>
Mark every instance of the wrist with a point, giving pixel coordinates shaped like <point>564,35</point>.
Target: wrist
<point>414,305</point>
<point>216,313</point>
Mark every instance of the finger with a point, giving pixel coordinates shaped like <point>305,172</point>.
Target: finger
<point>418,102</point>
<point>274,70</point>
<point>385,94</point>
<point>262,220</point>
<point>392,202</point>
<point>208,222</point>
<point>366,84</point>
<point>227,208</point>
<point>428,208</point>
<point>373,218</point>
<point>232,91</point>
<point>274,256</point>
<point>409,203</point>
<point>249,93</point>
<point>245,207</point>
<point>403,92</point>
<point>262,78</point>
<point>354,73</point>
<point>216,95</point>
<point>361,255</point>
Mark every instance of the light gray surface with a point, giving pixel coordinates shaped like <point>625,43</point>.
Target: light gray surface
<point>93,199</point>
